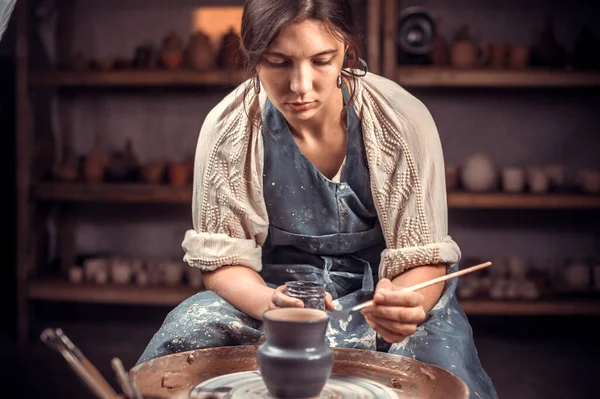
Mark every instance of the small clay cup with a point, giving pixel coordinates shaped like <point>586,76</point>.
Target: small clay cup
<point>311,293</point>
<point>294,361</point>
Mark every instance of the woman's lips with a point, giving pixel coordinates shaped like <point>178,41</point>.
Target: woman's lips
<point>300,107</point>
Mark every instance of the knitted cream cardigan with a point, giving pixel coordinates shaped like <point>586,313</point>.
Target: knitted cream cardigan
<point>407,179</point>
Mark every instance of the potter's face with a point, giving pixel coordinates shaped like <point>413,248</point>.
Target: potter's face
<point>299,69</point>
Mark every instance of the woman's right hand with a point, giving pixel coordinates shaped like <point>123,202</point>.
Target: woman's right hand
<point>281,300</point>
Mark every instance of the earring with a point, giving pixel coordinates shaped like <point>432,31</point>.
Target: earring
<point>256,85</point>
<point>339,81</point>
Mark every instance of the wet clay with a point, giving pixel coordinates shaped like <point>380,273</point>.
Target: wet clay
<point>249,385</point>
<point>404,375</point>
<point>295,314</point>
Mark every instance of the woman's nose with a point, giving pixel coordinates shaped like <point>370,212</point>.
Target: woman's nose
<point>301,82</point>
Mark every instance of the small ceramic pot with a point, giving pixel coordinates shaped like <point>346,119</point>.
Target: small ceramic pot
<point>76,274</point>
<point>451,177</point>
<point>179,174</point>
<point>294,361</point>
<point>518,57</point>
<point>499,55</point>
<point>517,267</point>
<point>93,267</point>
<point>464,54</point>
<point>479,174</point>
<point>577,275</point>
<point>513,180</point>
<point>152,173</point>
<point>589,181</point>
<point>172,272</point>
<point>556,174</point>
<point>194,277</point>
<point>120,271</point>
<point>141,277</point>
<point>538,180</point>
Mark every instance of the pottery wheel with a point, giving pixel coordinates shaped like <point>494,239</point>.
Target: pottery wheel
<point>249,385</point>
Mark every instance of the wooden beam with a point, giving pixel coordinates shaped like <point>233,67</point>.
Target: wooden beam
<point>117,192</point>
<point>23,151</point>
<point>374,36</point>
<point>110,293</point>
<point>541,307</point>
<point>63,291</point>
<point>424,76</point>
<point>390,21</point>
<point>522,201</point>
<point>136,78</point>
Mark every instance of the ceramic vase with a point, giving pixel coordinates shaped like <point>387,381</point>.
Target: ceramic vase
<point>294,360</point>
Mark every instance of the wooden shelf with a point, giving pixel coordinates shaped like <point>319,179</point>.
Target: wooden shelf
<point>135,78</point>
<point>139,192</point>
<point>116,192</point>
<point>62,291</point>
<point>408,76</point>
<point>427,76</point>
<point>558,307</point>
<point>522,201</point>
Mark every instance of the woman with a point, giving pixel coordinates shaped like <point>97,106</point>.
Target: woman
<point>311,171</point>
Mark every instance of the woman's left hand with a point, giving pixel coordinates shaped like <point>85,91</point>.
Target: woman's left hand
<point>396,312</point>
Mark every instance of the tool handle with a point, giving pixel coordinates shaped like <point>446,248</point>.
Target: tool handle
<point>431,282</point>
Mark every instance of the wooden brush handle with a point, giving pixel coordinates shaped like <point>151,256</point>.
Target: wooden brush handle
<point>432,282</point>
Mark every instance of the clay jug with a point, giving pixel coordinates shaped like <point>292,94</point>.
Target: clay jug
<point>294,360</point>
<point>200,53</point>
<point>96,163</point>
<point>464,52</point>
<point>230,53</point>
<point>171,53</point>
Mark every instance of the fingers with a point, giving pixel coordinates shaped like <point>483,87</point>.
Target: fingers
<point>280,300</point>
<point>398,297</point>
<point>329,301</point>
<point>395,327</point>
<point>411,315</point>
<point>394,334</point>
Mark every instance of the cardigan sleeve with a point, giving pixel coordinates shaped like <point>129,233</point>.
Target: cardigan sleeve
<point>408,180</point>
<point>229,214</point>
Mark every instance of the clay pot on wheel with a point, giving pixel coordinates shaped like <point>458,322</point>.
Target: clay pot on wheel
<point>294,360</point>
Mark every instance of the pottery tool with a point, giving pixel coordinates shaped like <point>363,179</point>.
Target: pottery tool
<point>344,313</point>
<point>127,384</point>
<point>58,341</point>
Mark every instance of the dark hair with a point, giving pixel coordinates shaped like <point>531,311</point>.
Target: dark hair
<point>263,20</point>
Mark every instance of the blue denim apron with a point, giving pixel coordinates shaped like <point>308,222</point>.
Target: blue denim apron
<point>328,232</point>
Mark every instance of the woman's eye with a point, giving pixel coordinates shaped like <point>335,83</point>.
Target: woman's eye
<point>277,64</point>
<point>323,62</point>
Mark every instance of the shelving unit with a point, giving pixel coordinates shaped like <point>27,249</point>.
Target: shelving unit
<point>144,193</point>
<point>381,57</point>
<point>425,76</point>
<point>60,291</point>
<point>407,76</point>
<point>35,197</point>
<point>135,78</point>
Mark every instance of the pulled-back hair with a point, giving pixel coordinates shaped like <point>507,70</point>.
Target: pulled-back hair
<point>263,20</point>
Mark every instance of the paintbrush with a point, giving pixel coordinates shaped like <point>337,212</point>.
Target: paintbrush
<point>345,313</point>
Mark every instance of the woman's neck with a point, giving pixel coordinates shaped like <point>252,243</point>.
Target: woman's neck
<point>322,124</point>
